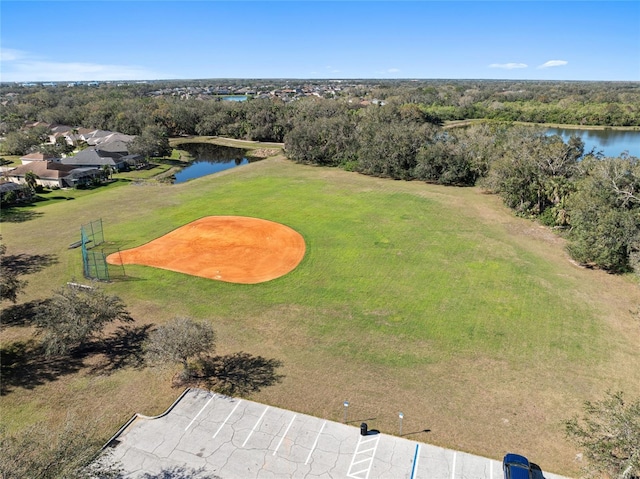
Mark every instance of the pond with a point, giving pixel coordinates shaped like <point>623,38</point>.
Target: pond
<point>209,159</point>
<point>235,98</point>
<point>610,142</point>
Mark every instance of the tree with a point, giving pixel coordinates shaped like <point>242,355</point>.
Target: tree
<point>10,285</point>
<point>31,179</point>
<point>153,142</point>
<point>107,171</point>
<point>75,315</point>
<point>609,434</point>
<point>323,141</point>
<point>605,224</point>
<point>41,452</point>
<point>178,341</point>
<point>20,142</point>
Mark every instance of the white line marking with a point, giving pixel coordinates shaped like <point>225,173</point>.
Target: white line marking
<point>255,426</point>
<point>453,467</point>
<point>367,471</point>
<point>225,421</point>
<point>353,458</point>
<point>189,425</point>
<point>285,433</point>
<point>491,469</point>
<point>315,443</point>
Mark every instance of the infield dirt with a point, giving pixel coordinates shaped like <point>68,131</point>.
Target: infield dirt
<point>234,249</point>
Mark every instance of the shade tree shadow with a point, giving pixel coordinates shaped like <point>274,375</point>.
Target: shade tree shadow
<point>239,373</point>
<point>24,365</point>
<point>180,472</point>
<point>20,314</point>
<point>28,263</point>
<point>122,349</point>
<point>17,214</point>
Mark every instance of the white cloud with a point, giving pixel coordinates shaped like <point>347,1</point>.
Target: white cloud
<point>393,70</point>
<point>553,63</point>
<point>9,54</point>
<point>508,66</point>
<point>18,66</point>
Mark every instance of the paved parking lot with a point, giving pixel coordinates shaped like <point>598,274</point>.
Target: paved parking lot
<point>206,435</point>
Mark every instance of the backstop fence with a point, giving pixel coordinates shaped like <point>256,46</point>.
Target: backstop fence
<point>94,262</point>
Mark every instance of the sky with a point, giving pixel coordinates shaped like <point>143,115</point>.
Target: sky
<point>119,40</point>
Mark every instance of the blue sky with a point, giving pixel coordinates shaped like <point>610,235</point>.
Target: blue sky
<point>147,40</point>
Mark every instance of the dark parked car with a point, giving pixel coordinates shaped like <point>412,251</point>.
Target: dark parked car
<point>516,466</point>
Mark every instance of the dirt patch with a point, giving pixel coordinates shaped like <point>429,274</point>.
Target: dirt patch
<point>234,249</point>
<point>263,152</point>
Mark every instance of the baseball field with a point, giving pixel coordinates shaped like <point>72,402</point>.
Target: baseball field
<point>434,301</point>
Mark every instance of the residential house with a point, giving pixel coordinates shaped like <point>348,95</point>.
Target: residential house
<point>20,192</point>
<point>37,156</point>
<point>95,157</point>
<point>53,175</point>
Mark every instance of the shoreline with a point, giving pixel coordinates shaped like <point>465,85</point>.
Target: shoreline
<point>462,123</point>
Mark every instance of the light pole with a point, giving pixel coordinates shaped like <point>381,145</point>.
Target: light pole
<point>400,416</point>
<point>346,408</point>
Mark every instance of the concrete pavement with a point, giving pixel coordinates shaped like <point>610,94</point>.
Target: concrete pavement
<point>207,435</point>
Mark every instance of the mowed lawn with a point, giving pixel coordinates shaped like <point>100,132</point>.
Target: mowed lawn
<point>432,301</point>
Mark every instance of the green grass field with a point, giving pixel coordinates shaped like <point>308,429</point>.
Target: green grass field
<point>418,298</point>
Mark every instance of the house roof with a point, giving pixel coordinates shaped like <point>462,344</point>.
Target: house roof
<point>117,137</point>
<point>93,157</point>
<point>44,170</point>
<point>37,156</point>
<point>6,186</point>
<point>60,128</point>
<point>114,146</point>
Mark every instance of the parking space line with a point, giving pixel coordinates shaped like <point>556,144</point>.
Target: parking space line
<point>255,425</point>
<point>225,421</point>
<point>285,433</point>
<point>416,457</point>
<point>369,459</point>
<point>315,443</point>
<point>490,468</point>
<point>453,466</point>
<point>200,412</point>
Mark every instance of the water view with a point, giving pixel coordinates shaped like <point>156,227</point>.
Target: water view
<point>209,159</point>
<point>235,98</point>
<point>609,142</point>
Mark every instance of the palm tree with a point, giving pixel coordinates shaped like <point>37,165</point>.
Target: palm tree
<point>31,179</point>
<point>107,171</point>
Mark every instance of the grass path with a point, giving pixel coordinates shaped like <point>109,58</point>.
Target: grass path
<point>430,300</point>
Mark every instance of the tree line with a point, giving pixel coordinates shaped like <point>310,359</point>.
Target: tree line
<point>130,108</point>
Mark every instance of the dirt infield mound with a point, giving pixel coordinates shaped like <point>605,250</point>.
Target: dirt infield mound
<point>234,249</point>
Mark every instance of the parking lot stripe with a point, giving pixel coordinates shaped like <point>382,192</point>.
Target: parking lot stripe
<point>315,443</point>
<point>453,466</point>
<point>490,468</point>
<point>255,425</point>
<point>356,474</point>
<point>416,456</point>
<point>200,412</point>
<point>285,433</point>
<point>225,421</point>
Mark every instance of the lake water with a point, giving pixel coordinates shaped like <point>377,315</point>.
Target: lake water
<point>609,142</point>
<point>209,159</point>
